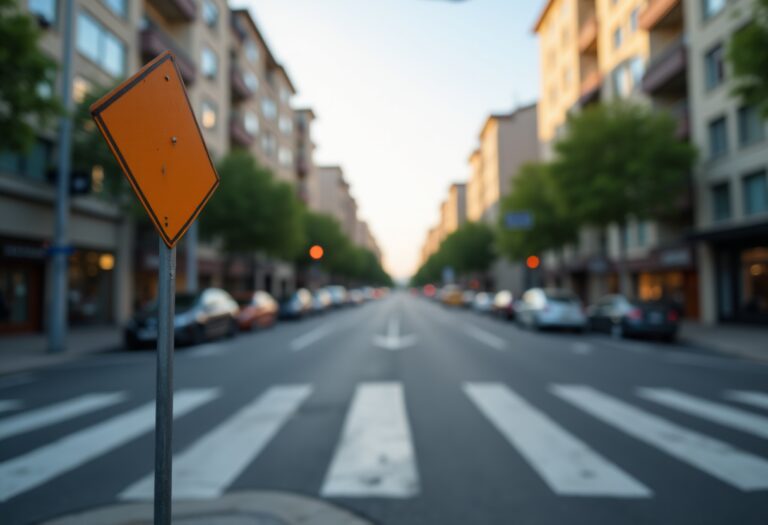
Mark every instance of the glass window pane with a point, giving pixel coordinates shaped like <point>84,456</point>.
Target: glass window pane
<point>88,37</point>
<point>209,63</point>
<point>718,138</point>
<point>755,193</point>
<point>45,9</point>
<point>119,7</point>
<point>751,126</point>
<point>114,56</point>
<point>721,202</point>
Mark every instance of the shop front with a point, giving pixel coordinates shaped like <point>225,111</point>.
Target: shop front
<point>22,273</point>
<point>670,274</point>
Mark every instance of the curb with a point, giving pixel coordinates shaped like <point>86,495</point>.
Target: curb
<point>238,508</point>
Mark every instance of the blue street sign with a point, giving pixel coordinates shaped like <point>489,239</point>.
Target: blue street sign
<point>66,250</point>
<point>518,220</point>
<point>448,275</point>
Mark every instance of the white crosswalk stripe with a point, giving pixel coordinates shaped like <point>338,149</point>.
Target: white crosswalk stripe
<point>39,466</point>
<point>735,467</point>
<point>8,405</point>
<point>58,412</point>
<point>566,464</point>
<point>212,463</point>
<point>717,412</point>
<point>748,397</point>
<point>375,456</point>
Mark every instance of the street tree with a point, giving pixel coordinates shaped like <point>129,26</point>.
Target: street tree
<point>619,161</point>
<point>749,60</point>
<point>534,191</point>
<point>27,77</point>
<point>468,250</point>
<point>252,212</point>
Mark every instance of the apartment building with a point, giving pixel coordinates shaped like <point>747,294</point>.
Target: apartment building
<point>241,97</point>
<point>731,178</point>
<point>305,150</point>
<point>507,142</point>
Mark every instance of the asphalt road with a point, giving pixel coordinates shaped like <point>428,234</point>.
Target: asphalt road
<point>406,413</point>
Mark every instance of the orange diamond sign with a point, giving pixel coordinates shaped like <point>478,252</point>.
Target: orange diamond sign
<point>150,127</point>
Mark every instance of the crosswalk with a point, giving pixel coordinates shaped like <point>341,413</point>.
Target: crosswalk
<point>375,456</point>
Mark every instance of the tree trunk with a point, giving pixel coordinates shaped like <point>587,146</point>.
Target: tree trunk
<point>625,286</point>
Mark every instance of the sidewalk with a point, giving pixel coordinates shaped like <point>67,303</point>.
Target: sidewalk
<point>28,351</point>
<point>744,341</point>
<point>240,508</point>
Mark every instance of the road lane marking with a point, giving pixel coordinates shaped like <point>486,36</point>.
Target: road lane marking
<point>375,456</point>
<point>581,348</point>
<point>754,398</point>
<point>717,458</point>
<point>214,461</point>
<point>717,412</point>
<point>311,337</point>
<point>485,337</point>
<point>58,412</point>
<point>7,405</point>
<point>565,463</point>
<point>39,466</point>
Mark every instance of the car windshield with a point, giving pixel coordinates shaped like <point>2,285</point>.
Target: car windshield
<point>561,296</point>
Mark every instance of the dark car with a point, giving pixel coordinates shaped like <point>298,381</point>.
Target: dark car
<point>257,310</point>
<point>620,316</point>
<point>296,305</point>
<point>209,314</point>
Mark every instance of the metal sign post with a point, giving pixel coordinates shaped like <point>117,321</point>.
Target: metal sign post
<point>164,402</point>
<point>151,130</point>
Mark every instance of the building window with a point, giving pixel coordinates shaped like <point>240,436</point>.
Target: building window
<point>209,63</point>
<point>268,108</point>
<point>621,81</point>
<point>210,14</point>
<point>251,81</point>
<point>617,38</point>
<point>251,122</point>
<point>751,126</point>
<point>714,67</point>
<point>710,8</point>
<point>637,69</point>
<point>33,164</point>
<point>208,115</point>
<point>251,51</point>
<point>286,126</point>
<point>98,44</point>
<point>755,188</point>
<point>642,233</point>
<point>633,20</point>
<point>285,95</point>
<point>718,138</point>
<point>119,7</point>
<point>268,143</point>
<point>44,10</point>
<point>285,157</point>
<point>721,202</point>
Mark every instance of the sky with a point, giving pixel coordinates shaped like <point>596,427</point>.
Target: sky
<point>401,89</point>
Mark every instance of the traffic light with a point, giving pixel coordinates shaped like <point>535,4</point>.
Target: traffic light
<point>532,262</point>
<point>316,252</point>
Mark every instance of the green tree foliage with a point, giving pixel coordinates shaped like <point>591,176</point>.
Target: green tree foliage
<point>534,191</point>
<point>252,212</point>
<point>619,161</point>
<point>24,70</point>
<point>749,60</point>
<point>468,250</point>
<point>341,258</point>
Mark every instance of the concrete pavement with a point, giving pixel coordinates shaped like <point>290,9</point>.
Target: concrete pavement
<point>472,421</point>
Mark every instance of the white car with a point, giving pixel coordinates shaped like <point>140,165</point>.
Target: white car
<point>551,308</point>
<point>483,302</point>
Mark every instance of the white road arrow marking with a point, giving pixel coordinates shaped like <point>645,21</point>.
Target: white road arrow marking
<point>393,340</point>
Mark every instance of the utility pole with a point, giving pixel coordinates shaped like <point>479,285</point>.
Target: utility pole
<point>60,250</point>
<point>191,261</point>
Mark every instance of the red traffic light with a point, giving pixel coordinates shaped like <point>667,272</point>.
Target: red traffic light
<point>316,252</point>
<point>532,262</point>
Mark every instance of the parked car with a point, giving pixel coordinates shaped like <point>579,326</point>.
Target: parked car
<point>483,302</point>
<point>338,295</point>
<point>296,305</point>
<point>504,304</point>
<point>257,310</point>
<point>620,316</point>
<point>451,295</point>
<point>209,314</point>
<point>356,297</point>
<point>551,308</point>
<point>321,300</point>
<point>467,298</point>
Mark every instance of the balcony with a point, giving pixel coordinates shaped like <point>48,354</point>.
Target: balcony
<point>240,90</point>
<point>662,13</point>
<point>176,10</point>
<point>237,132</point>
<point>588,36</point>
<point>155,41</point>
<point>666,72</point>
<point>590,88</point>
